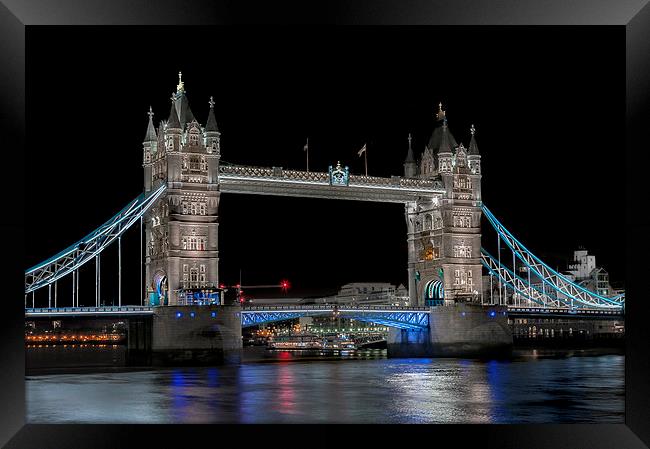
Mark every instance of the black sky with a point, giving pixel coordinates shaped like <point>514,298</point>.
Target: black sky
<point>547,104</point>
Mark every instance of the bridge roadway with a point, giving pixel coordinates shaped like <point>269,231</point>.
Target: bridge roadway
<point>394,316</point>
<point>278,182</point>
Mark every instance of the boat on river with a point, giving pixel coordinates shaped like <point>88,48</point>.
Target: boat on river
<point>310,341</point>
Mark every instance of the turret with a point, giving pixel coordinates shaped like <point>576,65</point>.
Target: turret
<point>474,163</point>
<point>410,166</point>
<point>445,149</point>
<point>474,158</point>
<point>149,150</point>
<point>211,134</point>
<point>173,129</point>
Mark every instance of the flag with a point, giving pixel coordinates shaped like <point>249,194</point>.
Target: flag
<point>306,147</point>
<point>362,150</point>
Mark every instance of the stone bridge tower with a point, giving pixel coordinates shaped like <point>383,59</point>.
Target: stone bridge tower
<point>181,230</point>
<point>444,231</point>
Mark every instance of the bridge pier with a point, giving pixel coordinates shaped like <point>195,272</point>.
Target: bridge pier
<point>460,330</point>
<point>139,341</point>
<point>196,335</point>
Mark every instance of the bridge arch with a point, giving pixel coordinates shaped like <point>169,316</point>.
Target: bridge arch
<point>434,293</point>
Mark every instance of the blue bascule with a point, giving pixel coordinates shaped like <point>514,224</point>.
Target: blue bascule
<point>392,316</point>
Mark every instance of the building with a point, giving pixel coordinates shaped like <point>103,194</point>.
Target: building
<point>368,294</point>
<point>181,229</point>
<point>586,273</point>
<point>182,254</point>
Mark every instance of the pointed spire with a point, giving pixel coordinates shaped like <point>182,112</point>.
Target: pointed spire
<point>211,124</point>
<point>445,141</point>
<point>151,131</point>
<point>409,155</point>
<point>173,121</point>
<point>473,148</point>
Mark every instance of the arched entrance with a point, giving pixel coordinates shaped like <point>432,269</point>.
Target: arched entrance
<point>434,293</point>
<point>159,295</point>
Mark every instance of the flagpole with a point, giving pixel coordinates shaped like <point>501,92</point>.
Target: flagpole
<point>307,153</point>
<point>365,158</point>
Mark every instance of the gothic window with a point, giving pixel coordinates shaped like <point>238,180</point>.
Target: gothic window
<point>184,208</point>
<point>202,278</point>
<point>418,226</point>
<point>202,268</point>
<point>194,276</point>
<point>193,209</point>
<point>185,268</point>
<point>202,208</point>
<point>428,222</point>
<point>185,280</point>
<point>184,163</point>
<point>457,277</point>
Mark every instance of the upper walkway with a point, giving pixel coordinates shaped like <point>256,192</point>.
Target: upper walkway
<point>296,183</point>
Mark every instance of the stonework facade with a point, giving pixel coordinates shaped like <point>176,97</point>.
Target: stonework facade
<point>441,192</point>
<point>181,230</point>
<point>444,230</point>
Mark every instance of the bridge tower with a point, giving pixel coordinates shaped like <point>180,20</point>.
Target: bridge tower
<point>181,230</point>
<point>444,232</point>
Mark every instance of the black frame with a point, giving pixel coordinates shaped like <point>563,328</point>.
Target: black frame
<point>633,14</point>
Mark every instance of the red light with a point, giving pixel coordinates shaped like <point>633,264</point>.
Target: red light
<point>284,284</point>
<point>222,286</point>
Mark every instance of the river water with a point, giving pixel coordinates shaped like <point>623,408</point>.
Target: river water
<point>363,387</point>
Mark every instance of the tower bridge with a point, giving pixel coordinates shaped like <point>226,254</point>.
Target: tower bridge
<point>184,179</point>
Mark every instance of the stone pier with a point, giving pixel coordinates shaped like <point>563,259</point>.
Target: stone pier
<point>196,335</point>
<point>460,330</point>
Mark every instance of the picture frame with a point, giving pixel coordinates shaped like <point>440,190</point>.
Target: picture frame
<point>633,15</point>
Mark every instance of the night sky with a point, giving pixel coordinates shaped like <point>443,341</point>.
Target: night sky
<point>547,104</point>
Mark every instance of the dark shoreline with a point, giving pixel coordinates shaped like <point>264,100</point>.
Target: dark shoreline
<point>252,355</point>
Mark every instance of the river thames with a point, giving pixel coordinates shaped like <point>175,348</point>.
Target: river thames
<point>364,387</point>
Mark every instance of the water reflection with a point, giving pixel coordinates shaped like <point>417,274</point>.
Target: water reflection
<point>532,388</point>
